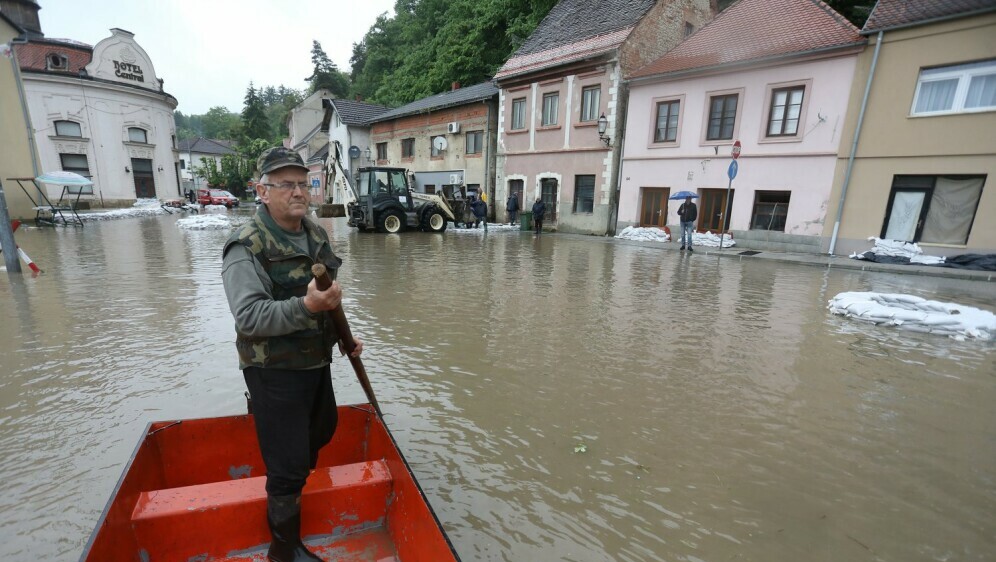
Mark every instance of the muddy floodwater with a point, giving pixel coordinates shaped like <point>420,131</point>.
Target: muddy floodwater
<point>560,398</point>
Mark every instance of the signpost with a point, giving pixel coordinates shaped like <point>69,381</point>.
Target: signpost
<point>731,173</point>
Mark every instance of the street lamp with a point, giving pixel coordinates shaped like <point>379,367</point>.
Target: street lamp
<point>603,124</point>
<point>367,154</point>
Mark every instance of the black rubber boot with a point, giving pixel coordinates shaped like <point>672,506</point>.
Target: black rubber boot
<point>283,513</point>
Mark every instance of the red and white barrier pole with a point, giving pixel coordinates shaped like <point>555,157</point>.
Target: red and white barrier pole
<point>27,260</point>
<point>24,256</point>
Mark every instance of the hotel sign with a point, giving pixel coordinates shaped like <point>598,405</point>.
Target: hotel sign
<point>128,71</point>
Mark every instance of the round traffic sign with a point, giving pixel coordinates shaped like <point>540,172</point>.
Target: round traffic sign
<point>732,170</point>
<point>736,150</point>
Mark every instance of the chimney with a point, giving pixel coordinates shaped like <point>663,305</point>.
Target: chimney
<point>454,86</point>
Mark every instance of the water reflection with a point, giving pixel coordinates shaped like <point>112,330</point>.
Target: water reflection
<point>724,413</point>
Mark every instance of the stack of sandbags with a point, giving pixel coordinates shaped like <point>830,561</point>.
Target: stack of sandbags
<point>711,240</point>
<point>916,314</point>
<point>643,234</point>
<point>905,251</point>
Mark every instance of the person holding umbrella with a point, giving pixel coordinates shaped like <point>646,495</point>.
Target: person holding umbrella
<point>687,213</point>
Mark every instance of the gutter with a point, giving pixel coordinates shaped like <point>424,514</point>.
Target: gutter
<point>24,104</point>
<point>854,144</point>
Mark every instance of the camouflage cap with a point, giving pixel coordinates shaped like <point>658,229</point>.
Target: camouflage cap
<point>278,157</point>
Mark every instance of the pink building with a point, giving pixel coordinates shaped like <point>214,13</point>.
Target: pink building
<point>775,75</point>
<point>557,87</point>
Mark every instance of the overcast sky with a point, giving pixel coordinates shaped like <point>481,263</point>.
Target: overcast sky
<point>207,51</point>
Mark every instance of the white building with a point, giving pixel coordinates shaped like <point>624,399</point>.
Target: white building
<point>348,123</point>
<point>101,112</point>
<point>193,151</point>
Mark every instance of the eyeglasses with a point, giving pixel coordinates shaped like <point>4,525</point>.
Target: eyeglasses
<point>288,186</point>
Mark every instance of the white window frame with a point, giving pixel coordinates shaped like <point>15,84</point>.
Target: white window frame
<point>474,142</point>
<point>519,118</point>
<point>590,104</point>
<point>964,73</point>
<point>545,120</point>
<point>55,125</point>
<point>145,135</point>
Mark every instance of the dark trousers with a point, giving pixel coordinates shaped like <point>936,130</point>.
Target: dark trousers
<point>295,415</point>
<point>538,224</point>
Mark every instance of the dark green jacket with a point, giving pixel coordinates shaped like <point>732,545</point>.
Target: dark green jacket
<point>290,271</point>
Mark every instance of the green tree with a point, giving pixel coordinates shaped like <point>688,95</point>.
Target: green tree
<point>209,171</point>
<point>430,43</point>
<point>254,121</point>
<point>326,74</point>
<point>219,123</point>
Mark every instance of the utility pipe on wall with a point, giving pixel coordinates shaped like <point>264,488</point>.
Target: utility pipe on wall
<point>854,144</point>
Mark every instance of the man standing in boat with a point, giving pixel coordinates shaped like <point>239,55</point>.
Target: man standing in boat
<point>284,338</point>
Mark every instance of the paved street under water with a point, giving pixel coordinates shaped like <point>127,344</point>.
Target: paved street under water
<point>559,398</point>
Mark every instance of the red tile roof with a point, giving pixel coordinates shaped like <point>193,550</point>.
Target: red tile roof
<point>901,13</point>
<point>32,55</point>
<point>754,30</point>
<point>578,50</point>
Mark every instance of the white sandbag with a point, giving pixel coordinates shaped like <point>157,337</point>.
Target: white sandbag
<point>915,314</point>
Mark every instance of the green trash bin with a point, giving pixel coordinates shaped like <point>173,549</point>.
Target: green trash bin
<point>526,221</point>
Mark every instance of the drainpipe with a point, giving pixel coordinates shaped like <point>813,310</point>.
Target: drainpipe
<point>854,144</point>
<point>24,103</point>
<point>490,190</point>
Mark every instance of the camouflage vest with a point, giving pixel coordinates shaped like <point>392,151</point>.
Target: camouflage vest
<point>290,271</point>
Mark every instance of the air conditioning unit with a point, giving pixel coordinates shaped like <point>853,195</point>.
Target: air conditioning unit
<point>455,179</point>
<point>453,127</point>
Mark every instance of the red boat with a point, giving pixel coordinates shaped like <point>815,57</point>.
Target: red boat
<point>194,490</point>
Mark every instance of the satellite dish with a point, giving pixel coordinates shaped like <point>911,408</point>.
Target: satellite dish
<point>439,143</point>
<point>354,151</point>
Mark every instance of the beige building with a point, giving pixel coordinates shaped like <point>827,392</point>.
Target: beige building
<point>17,159</point>
<point>446,140</point>
<point>925,156</point>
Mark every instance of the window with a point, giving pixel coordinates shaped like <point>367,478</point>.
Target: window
<point>430,189</point>
<point>550,103</point>
<point>75,163</point>
<point>382,151</point>
<point>722,117</point>
<point>584,194</point>
<point>434,152</point>
<point>519,113</point>
<point>689,29</point>
<point>183,165</point>
<point>667,121</point>
<point>407,148</point>
<point>475,140</point>
<point>68,129</point>
<point>770,210</point>
<point>56,61</point>
<point>932,209</point>
<point>137,135</point>
<point>786,106</point>
<point>956,89</point>
<point>590,98</point>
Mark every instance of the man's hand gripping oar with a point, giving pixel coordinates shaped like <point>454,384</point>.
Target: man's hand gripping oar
<point>323,281</point>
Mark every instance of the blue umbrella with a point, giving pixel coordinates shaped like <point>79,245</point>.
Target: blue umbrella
<point>63,178</point>
<point>682,195</point>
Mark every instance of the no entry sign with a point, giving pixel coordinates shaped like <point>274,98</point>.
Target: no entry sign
<point>736,150</point>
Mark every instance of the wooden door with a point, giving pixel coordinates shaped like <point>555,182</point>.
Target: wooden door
<point>548,188</point>
<point>145,184</point>
<point>712,209</point>
<point>653,212</point>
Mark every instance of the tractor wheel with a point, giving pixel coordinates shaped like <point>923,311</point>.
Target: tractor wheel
<point>391,222</point>
<point>433,220</point>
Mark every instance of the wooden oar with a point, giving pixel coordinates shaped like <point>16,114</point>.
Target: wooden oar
<point>338,316</point>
